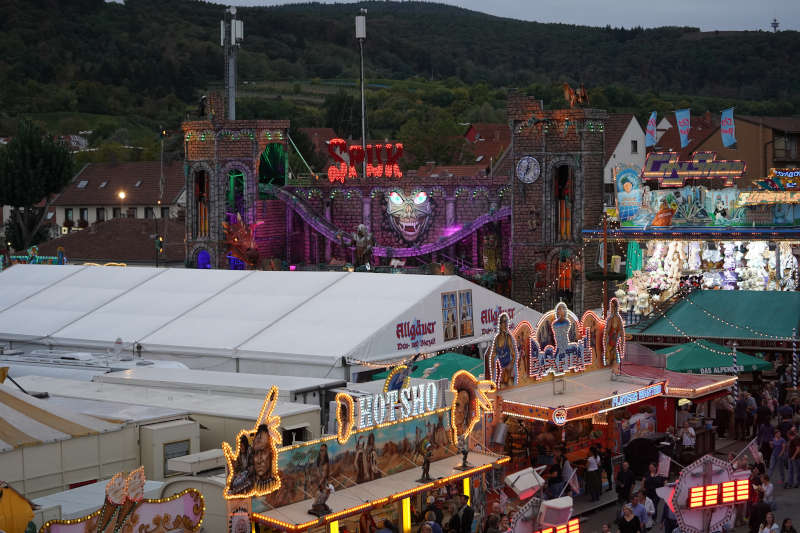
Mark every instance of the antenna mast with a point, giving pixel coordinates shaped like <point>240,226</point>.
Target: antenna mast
<point>231,33</point>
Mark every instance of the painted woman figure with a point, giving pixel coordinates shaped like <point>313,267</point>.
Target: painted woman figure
<point>561,326</point>
<point>243,468</point>
<point>504,356</point>
<point>613,334</point>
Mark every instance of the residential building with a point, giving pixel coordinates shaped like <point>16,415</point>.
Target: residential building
<point>624,147</point>
<point>488,142</point>
<point>123,240</point>
<point>95,193</point>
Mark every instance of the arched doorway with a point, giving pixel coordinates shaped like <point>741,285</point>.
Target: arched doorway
<point>272,167</point>
<point>203,259</point>
<point>563,187</point>
<point>200,222</point>
<point>234,194</point>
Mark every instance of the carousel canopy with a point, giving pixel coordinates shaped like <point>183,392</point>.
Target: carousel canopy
<point>442,366</point>
<point>704,357</point>
<point>762,316</point>
<point>316,318</point>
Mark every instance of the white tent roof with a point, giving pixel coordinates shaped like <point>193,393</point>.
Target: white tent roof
<point>314,317</point>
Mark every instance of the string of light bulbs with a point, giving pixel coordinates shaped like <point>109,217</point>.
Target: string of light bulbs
<point>737,326</point>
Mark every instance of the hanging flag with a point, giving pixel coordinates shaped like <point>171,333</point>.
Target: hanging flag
<point>650,131</point>
<point>572,477</point>
<point>663,465</point>
<point>728,128</point>
<point>684,125</point>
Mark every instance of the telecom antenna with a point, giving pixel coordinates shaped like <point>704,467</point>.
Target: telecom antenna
<point>231,33</point>
<point>775,24</point>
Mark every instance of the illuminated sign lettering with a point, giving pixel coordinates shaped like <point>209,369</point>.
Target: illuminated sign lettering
<point>411,401</point>
<point>381,160</point>
<point>729,492</point>
<point>665,168</point>
<point>636,396</point>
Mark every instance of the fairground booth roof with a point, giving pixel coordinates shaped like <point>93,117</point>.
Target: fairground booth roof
<point>762,319</point>
<point>318,318</point>
<point>566,368</point>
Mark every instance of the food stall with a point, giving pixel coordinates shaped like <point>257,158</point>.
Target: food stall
<point>392,453</point>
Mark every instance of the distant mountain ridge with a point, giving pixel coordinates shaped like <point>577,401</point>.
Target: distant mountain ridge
<point>151,55</point>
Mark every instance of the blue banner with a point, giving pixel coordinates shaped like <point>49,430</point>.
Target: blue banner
<point>728,128</point>
<point>650,131</point>
<point>684,125</point>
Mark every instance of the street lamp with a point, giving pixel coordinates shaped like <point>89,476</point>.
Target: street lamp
<point>121,195</point>
<point>361,35</point>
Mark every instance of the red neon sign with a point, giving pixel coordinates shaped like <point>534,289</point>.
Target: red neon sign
<point>381,160</point>
<point>726,493</point>
<point>573,526</point>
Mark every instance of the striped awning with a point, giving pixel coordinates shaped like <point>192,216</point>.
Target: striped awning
<point>25,420</point>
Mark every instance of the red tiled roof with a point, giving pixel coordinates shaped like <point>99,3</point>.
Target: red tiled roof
<point>488,141</point>
<point>785,124</point>
<point>616,125</point>
<point>125,240</point>
<point>124,177</point>
<point>703,127</point>
<point>319,137</point>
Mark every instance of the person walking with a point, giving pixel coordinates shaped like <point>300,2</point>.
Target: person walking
<point>740,417</point>
<point>777,460</point>
<point>787,526</point>
<point>624,483</point>
<point>793,458</point>
<point>628,522</point>
<point>594,481</point>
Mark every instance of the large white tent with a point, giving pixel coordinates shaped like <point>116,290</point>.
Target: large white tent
<point>291,323</point>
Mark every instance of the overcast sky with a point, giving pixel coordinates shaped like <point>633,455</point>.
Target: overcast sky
<point>705,14</point>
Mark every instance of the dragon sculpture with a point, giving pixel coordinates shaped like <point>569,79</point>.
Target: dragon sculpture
<point>240,240</point>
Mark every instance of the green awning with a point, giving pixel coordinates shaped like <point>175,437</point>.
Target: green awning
<point>742,315</point>
<point>704,357</point>
<point>442,366</point>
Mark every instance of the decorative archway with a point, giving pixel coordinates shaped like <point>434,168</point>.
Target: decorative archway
<point>272,164</point>
<point>199,201</point>
<point>560,195</point>
<point>202,259</point>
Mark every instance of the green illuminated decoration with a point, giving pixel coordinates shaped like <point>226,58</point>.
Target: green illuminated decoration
<point>272,167</point>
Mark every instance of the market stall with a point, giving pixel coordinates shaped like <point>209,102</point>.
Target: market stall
<point>391,453</point>
<point>680,233</point>
<point>705,357</point>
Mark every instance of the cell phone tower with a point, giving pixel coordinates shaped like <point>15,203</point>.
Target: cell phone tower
<point>231,33</point>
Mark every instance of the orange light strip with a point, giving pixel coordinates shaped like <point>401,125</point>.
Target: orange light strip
<point>712,493</point>
<point>377,503</point>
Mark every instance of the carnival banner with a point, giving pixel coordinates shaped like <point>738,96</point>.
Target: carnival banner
<point>684,125</point>
<point>650,132</point>
<point>728,128</point>
<point>663,465</point>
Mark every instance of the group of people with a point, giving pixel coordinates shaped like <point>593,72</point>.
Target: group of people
<point>460,520</point>
<point>638,507</point>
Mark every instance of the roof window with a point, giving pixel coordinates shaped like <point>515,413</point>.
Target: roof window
<point>82,184</point>
<point>138,184</point>
<point>103,185</point>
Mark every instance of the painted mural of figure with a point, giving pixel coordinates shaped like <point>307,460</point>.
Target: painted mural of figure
<point>613,336</point>
<point>361,472</point>
<point>562,354</point>
<point>503,357</point>
<point>371,459</point>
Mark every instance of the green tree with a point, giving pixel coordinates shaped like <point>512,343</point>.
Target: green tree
<point>33,168</point>
<point>436,137</point>
<point>342,113</point>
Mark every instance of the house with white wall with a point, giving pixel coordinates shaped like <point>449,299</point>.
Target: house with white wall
<point>102,191</point>
<point>624,146</point>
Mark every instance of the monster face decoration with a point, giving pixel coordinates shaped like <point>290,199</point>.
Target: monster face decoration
<point>409,216</point>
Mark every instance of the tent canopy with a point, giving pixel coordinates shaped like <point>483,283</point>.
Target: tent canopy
<point>443,366</point>
<point>704,357</point>
<point>313,317</point>
<point>741,315</point>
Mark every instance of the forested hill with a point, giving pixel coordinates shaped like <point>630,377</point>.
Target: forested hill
<point>156,55</point>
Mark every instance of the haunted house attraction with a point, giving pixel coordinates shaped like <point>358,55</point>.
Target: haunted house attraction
<point>514,225</point>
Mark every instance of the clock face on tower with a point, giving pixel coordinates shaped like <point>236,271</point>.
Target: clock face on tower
<point>528,169</point>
